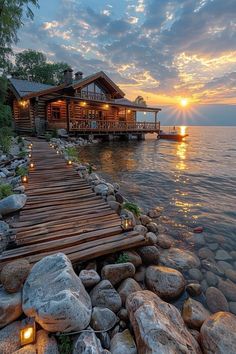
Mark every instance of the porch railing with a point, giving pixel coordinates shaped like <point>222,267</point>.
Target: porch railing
<point>112,126</point>
<point>94,96</point>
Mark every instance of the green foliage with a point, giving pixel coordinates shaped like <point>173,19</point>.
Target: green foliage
<point>123,258</point>
<point>65,345</point>
<point>22,171</point>
<point>134,208</point>
<point>23,153</point>
<point>5,110</point>
<point>72,153</point>
<point>33,63</point>
<point>90,169</point>
<point>5,190</point>
<point>5,139</point>
<point>54,133</point>
<point>19,140</point>
<point>48,136</point>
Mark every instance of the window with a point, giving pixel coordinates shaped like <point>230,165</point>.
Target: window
<point>56,112</point>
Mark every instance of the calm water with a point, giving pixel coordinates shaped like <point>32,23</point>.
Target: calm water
<point>194,181</point>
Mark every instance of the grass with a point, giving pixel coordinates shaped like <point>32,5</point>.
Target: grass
<point>134,208</point>
<point>123,258</point>
<point>65,345</point>
<point>72,153</point>
<point>5,190</point>
<point>22,171</point>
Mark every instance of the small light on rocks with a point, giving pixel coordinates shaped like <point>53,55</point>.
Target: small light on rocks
<point>127,223</point>
<point>58,152</point>
<point>69,162</point>
<point>24,179</point>
<point>28,331</point>
<point>32,165</point>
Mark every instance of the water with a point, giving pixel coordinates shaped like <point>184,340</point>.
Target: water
<point>194,180</point>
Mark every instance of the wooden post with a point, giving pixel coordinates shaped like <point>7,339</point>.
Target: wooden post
<point>155,120</point>
<point>68,116</point>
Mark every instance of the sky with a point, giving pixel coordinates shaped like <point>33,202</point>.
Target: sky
<point>163,50</point>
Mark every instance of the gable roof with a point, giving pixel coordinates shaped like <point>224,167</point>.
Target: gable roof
<point>24,87</point>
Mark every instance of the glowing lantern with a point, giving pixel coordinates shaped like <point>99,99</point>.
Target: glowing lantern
<point>57,152</point>
<point>25,179</point>
<point>69,162</point>
<point>30,155</point>
<point>28,331</point>
<point>127,223</point>
<point>32,165</point>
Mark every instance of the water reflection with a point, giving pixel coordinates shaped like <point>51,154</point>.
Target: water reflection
<point>181,153</point>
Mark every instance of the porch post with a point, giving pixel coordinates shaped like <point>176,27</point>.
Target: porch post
<point>155,119</point>
<point>68,115</point>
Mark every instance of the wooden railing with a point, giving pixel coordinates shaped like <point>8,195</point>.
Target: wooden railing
<point>112,126</point>
<point>94,96</point>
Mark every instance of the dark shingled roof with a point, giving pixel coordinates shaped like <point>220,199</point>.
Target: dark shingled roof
<point>24,87</point>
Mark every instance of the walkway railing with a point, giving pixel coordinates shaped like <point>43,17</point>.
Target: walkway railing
<point>113,126</point>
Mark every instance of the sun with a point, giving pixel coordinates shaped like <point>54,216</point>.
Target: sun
<point>184,102</point>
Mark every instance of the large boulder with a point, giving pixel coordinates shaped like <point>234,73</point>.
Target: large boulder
<point>179,259</point>
<point>9,338</point>
<point>149,254</point>
<point>46,344</point>
<point>12,203</point>
<point>55,296</point>
<point>117,272</point>
<point>218,334</point>
<point>228,288</point>
<point>166,282</point>
<point>88,343</point>
<point>133,257</point>
<point>127,287</point>
<point>194,313</point>
<point>14,274</point>
<point>103,319</point>
<point>216,301</point>
<point>158,326</point>
<point>123,343</point>
<point>10,307</point>
<point>105,295</point>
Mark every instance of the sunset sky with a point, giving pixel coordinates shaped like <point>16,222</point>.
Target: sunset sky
<point>160,49</point>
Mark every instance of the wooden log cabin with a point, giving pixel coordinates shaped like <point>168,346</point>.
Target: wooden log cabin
<point>80,105</point>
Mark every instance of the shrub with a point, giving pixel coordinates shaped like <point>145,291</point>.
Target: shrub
<point>19,140</point>
<point>21,171</point>
<point>90,169</point>
<point>5,139</point>
<point>5,190</point>
<point>134,208</point>
<point>72,153</point>
<point>123,258</point>
<point>22,153</point>
<point>54,133</point>
<point>65,345</point>
<point>48,136</point>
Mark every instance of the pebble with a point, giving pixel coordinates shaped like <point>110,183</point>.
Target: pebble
<point>195,274</point>
<point>216,301</point>
<point>222,255</point>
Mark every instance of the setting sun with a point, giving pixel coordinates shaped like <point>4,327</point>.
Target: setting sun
<point>184,102</point>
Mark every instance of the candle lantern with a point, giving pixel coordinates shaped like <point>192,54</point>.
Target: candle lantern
<point>57,152</point>
<point>127,223</point>
<point>32,165</point>
<point>30,155</point>
<point>24,179</point>
<point>69,162</point>
<point>28,331</point>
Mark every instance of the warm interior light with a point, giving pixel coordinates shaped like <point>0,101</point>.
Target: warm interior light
<point>23,103</point>
<point>106,105</point>
<point>182,130</point>
<point>129,111</point>
<point>184,102</point>
<point>24,179</point>
<point>127,223</point>
<point>84,103</point>
<point>28,331</point>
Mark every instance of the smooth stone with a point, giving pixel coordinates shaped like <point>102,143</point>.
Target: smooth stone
<point>213,246</point>
<point>56,296</point>
<point>89,277</point>
<point>123,315</point>
<point>4,228</point>
<point>198,240</point>
<point>46,344</point>
<point>133,257</point>
<point>228,288</point>
<point>27,349</point>
<point>88,343</point>
<point>194,289</point>
<point>231,274</point>
<point>9,338</point>
<point>194,313</point>
<point>119,198</point>
<point>211,278</point>
<point>115,273</point>
<point>155,213</point>
<point>140,274</point>
<point>105,295</point>
<point>151,238</point>
<point>158,326</point>
<point>195,274</point>
<point>111,198</point>
<point>14,274</point>
<point>141,229</point>
<point>152,226</point>
<point>166,282</point>
<point>212,266</point>
<point>224,265</point>
<point>164,241</point>
<point>205,253</point>
<point>10,307</point>
<point>115,206</point>
<point>20,189</point>
<point>104,339</point>
<point>218,334</point>
<point>204,285</point>
<point>103,319</point>
<point>128,286</point>
<point>145,219</point>
<point>222,255</point>
<point>232,307</point>
<point>12,203</point>
<point>179,259</point>
<point>123,343</point>
<point>149,254</point>
<point>233,254</point>
<point>216,301</point>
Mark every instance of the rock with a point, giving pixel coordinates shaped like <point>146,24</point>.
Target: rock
<point>12,203</point>
<point>46,344</point>
<point>149,254</point>
<point>101,189</point>
<point>216,300</point>
<point>10,307</point>
<point>145,219</point>
<point>115,206</point>
<point>14,274</point>
<point>89,277</point>
<point>195,335</point>
<point>117,272</point>
<point>194,289</point>
<point>4,228</point>
<point>88,343</point>
<point>224,265</point>
<point>233,254</point>
<point>212,266</point>
<point>103,319</point>
<point>198,240</point>
<point>151,238</point>
<point>166,282</point>
<point>228,288</point>
<point>222,255</point>
<point>142,230</point>
<point>204,285</point>
<point>27,349</point>
<point>231,274</point>
<point>123,315</point>
<point>218,334</point>
<point>195,274</point>
<point>128,286</point>
<point>213,246</point>
<point>63,306</point>
<point>104,295</point>
<point>205,253</point>
<point>9,338</point>
<point>104,339</point>
<point>194,313</point>
<point>158,326</point>
<point>155,213</point>
<point>140,274</point>
<point>232,307</point>
<point>133,257</point>
<point>123,343</point>
<point>211,278</point>
<point>179,259</point>
<point>152,226</point>
<point>20,189</point>
<point>111,198</point>
<point>164,241</point>
<point>119,198</point>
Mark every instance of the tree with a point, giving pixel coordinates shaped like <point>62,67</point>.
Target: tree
<point>140,101</point>
<point>31,63</point>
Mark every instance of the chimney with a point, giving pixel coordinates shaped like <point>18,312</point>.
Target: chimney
<point>68,76</point>
<point>78,76</point>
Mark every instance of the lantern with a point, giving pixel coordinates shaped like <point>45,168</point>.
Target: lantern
<point>30,155</point>
<point>57,152</point>
<point>28,331</point>
<point>32,165</point>
<point>69,162</point>
<point>127,223</point>
<point>24,179</point>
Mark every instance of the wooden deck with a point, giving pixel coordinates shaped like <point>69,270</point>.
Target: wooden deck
<point>63,214</point>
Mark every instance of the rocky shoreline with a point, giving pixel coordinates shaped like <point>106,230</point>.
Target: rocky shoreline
<point>148,300</point>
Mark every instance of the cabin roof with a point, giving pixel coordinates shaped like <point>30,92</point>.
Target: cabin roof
<point>25,87</point>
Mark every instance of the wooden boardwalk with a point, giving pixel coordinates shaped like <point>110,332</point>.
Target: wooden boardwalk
<point>63,214</point>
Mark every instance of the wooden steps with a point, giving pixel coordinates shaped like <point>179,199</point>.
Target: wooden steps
<point>63,214</point>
